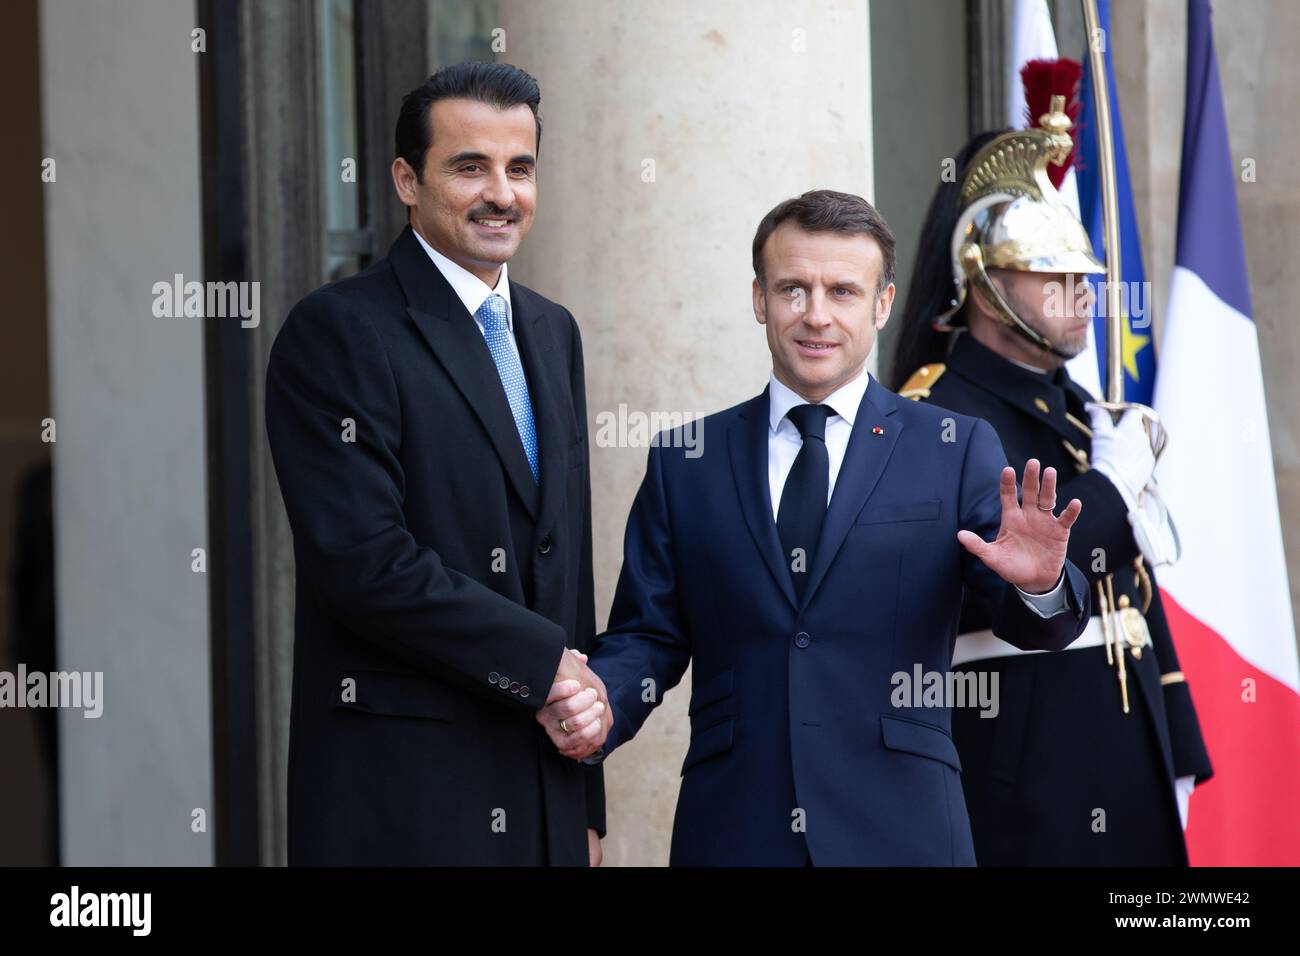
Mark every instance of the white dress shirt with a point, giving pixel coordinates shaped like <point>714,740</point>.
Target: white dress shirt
<point>784,442</point>
<point>473,291</point>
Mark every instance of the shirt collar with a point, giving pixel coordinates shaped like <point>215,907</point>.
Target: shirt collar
<point>469,288</point>
<point>1030,368</point>
<point>844,401</point>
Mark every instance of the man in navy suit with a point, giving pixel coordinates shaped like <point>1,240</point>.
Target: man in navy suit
<point>813,555</point>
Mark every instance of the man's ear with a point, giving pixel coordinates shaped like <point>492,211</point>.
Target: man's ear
<point>884,306</point>
<point>404,181</point>
<point>760,303</point>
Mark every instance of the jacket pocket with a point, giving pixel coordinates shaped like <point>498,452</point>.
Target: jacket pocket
<point>712,691</point>
<point>708,743</point>
<point>395,695</point>
<point>922,739</point>
<point>900,511</point>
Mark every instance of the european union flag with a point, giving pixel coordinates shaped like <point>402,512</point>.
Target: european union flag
<point>1135,294</point>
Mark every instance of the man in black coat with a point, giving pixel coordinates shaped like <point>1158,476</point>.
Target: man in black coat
<point>427,419</point>
<point>1094,751</point>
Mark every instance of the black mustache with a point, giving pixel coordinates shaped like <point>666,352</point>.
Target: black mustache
<point>487,212</point>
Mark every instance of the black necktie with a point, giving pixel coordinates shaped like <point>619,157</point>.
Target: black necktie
<point>803,499</point>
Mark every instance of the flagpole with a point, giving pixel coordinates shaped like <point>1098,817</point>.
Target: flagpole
<point>1097,40</point>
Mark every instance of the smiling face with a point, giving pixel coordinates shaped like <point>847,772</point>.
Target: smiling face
<point>479,186</point>
<point>820,306</point>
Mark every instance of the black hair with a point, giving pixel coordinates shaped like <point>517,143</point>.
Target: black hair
<point>932,291</point>
<point>497,84</point>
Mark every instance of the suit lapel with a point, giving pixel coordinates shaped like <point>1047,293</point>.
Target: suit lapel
<point>864,462</point>
<point>747,444</point>
<point>546,388</point>
<point>458,344</point>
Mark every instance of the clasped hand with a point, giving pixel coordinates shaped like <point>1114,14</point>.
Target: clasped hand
<point>577,716</point>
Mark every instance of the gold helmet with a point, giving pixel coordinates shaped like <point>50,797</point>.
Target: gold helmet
<point>1012,217</point>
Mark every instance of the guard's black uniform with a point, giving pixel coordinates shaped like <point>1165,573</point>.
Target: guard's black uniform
<point>1061,750</point>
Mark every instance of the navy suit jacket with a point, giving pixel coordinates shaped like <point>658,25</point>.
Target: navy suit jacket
<point>796,750</point>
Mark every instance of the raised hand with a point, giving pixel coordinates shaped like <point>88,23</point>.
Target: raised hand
<point>1029,550</point>
<point>577,716</point>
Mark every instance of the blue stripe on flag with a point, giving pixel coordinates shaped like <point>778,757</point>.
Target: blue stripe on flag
<point>1209,229</point>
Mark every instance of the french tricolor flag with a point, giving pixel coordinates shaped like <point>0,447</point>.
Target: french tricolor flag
<point>1227,599</point>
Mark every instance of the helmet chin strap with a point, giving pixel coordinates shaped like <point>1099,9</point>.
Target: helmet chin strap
<point>972,261</point>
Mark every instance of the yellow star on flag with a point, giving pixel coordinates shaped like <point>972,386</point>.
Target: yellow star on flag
<point>1132,344</point>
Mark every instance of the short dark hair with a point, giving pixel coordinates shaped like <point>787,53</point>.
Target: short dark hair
<point>824,210</point>
<point>497,84</point>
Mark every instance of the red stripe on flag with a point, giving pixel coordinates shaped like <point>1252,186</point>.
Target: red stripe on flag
<point>1248,813</point>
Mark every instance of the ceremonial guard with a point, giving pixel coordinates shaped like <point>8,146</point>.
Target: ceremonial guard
<point>1094,750</point>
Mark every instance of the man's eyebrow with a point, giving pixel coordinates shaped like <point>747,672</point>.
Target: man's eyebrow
<point>834,283</point>
<point>526,159</point>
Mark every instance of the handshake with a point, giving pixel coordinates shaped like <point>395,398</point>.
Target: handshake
<point>577,716</point>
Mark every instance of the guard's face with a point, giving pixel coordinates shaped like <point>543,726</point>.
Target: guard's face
<point>475,204</point>
<point>820,307</point>
<point>1054,305</point>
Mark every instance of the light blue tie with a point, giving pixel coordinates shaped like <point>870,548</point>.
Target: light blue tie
<point>492,313</point>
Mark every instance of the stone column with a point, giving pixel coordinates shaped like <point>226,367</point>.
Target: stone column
<point>670,129</point>
<point>119,88</point>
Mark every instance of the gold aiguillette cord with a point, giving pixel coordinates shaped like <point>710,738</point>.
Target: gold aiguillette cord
<point>1105,624</point>
<point>1119,647</point>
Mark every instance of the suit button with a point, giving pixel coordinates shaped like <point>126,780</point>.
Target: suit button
<point>514,687</point>
<point>802,639</point>
<point>524,691</point>
<point>545,546</point>
<point>493,677</point>
<point>504,683</point>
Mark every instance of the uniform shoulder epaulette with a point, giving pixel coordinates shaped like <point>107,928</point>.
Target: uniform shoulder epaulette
<point>918,386</point>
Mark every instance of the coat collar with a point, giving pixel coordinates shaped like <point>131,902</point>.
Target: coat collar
<point>1043,396</point>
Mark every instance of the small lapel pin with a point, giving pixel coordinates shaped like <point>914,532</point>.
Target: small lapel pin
<point>877,430</point>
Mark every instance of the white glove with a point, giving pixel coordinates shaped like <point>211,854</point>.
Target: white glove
<point>1122,452</point>
<point>1183,787</point>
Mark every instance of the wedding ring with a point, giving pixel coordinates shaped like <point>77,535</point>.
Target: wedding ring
<point>564,725</point>
<point>1041,508</point>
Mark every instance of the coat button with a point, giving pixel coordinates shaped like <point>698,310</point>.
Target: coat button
<point>545,546</point>
<point>493,677</point>
<point>524,691</point>
<point>802,639</point>
<point>503,683</point>
<point>514,687</point>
